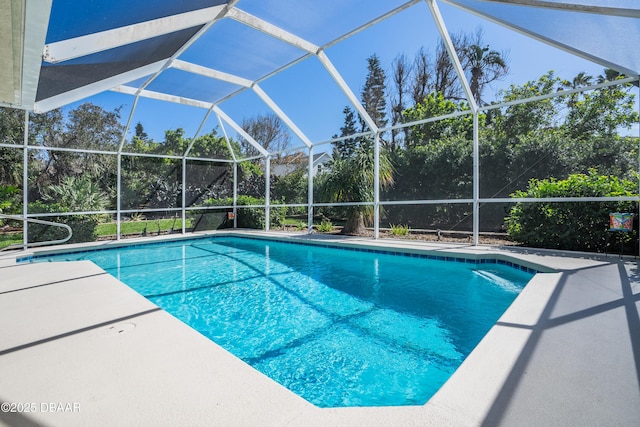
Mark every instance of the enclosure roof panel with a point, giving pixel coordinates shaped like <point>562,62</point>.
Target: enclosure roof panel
<point>64,50</point>
<point>61,77</point>
<point>603,31</point>
<point>71,18</point>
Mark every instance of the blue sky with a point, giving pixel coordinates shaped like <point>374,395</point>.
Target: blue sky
<point>313,101</point>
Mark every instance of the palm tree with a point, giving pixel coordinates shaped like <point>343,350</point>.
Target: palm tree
<point>352,179</point>
<point>481,64</point>
<point>484,66</point>
<point>580,80</point>
<point>609,75</point>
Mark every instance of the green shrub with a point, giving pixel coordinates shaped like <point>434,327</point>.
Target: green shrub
<point>8,196</point>
<point>83,226</point>
<point>399,230</point>
<point>249,217</point>
<point>291,188</point>
<point>582,226</point>
<point>8,200</point>
<point>10,239</point>
<point>73,194</point>
<point>325,226</point>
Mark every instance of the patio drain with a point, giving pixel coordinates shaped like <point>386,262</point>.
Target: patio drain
<point>119,329</point>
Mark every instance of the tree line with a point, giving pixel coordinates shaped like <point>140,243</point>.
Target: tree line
<point>551,137</point>
<point>433,160</point>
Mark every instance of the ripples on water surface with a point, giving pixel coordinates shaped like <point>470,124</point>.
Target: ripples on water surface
<point>337,327</point>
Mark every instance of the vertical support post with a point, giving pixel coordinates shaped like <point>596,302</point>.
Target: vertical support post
<point>25,180</point>
<point>184,194</point>
<point>267,193</point>
<point>310,191</point>
<point>639,167</point>
<point>119,167</point>
<point>376,186</point>
<point>473,106</point>
<point>118,194</point>
<point>476,179</point>
<point>235,194</point>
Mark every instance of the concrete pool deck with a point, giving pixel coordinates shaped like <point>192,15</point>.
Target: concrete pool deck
<point>79,348</point>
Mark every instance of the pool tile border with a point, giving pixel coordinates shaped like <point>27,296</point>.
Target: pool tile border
<point>288,240</point>
<point>466,260</point>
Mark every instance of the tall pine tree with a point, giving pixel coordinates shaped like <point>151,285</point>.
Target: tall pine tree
<point>373,93</point>
<point>346,147</point>
<point>374,101</point>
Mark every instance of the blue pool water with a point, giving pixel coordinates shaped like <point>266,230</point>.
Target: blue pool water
<point>337,327</point>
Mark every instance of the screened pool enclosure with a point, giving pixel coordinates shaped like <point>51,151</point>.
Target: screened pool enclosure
<point>432,116</point>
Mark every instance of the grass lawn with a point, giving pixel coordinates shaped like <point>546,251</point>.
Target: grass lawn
<point>152,227</point>
<point>109,229</point>
<point>137,227</point>
<point>301,220</point>
<point>10,239</point>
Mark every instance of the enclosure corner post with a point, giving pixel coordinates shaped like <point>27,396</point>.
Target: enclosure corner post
<point>25,181</point>
<point>476,179</point>
<point>235,193</point>
<point>267,194</point>
<point>183,210</point>
<point>119,194</point>
<point>639,167</point>
<point>376,186</point>
<point>310,192</point>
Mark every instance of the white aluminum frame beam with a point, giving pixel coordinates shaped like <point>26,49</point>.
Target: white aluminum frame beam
<point>272,30</point>
<point>376,186</point>
<point>197,134</point>
<point>267,193</point>
<point>211,73</point>
<point>337,77</point>
<point>373,22</point>
<point>225,8</point>
<point>557,94</point>
<point>226,138</point>
<point>281,114</point>
<point>25,180</point>
<point>453,55</point>
<point>239,129</point>
<point>97,42</point>
<point>230,78</point>
<point>310,191</point>
<point>300,43</point>
<point>161,96</point>
<point>164,64</point>
<point>123,140</point>
<point>476,179</point>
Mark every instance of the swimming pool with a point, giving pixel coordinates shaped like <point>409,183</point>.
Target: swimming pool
<point>337,327</point>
